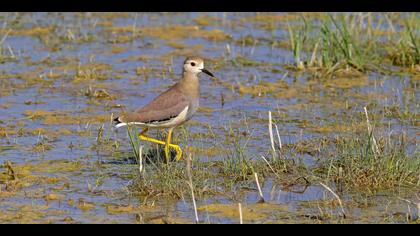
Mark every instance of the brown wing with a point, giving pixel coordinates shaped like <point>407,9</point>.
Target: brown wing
<point>164,107</point>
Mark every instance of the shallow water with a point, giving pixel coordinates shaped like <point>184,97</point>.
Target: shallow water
<point>133,72</point>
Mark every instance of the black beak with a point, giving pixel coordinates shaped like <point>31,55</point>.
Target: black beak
<point>207,72</point>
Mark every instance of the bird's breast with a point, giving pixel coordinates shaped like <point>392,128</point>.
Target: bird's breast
<point>192,109</point>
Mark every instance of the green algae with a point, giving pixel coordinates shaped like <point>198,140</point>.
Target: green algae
<point>63,118</point>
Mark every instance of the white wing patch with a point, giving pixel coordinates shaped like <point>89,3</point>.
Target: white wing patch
<point>119,125</point>
<point>131,123</point>
<point>175,121</point>
<point>165,124</point>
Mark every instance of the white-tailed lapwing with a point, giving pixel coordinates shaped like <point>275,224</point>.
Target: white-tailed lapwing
<point>171,108</point>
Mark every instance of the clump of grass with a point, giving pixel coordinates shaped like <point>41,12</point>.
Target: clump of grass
<point>333,45</point>
<point>406,52</point>
<point>104,143</point>
<point>157,178</point>
<point>243,61</point>
<point>216,177</point>
<point>296,41</point>
<point>168,180</point>
<point>237,164</point>
<point>134,142</point>
<point>162,180</point>
<point>42,144</point>
<point>240,167</point>
<point>354,42</point>
<point>100,94</point>
<point>358,165</point>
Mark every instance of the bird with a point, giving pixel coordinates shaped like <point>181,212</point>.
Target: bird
<point>171,108</point>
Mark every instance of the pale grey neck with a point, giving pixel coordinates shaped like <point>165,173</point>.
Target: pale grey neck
<point>190,84</point>
<point>189,76</point>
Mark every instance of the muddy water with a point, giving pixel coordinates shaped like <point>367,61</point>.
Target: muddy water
<point>62,75</point>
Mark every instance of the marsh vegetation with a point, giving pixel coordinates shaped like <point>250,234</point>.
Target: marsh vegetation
<point>313,118</point>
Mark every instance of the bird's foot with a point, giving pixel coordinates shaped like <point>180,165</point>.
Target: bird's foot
<point>167,146</point>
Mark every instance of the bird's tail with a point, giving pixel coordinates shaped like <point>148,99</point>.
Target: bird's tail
<point>119,123</point>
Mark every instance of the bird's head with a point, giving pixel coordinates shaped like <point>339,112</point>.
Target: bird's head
<point>195,65</point>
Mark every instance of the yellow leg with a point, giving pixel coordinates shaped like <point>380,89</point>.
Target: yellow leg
<point>167,144</point>
<point>178,152</point>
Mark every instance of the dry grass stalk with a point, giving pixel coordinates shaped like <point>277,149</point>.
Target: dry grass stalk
<point>259,189</point>
<point>190,183</point>
<point>336,196</point>
<point>141,168</point>
<point>369,127</point>
<point>279,139</point>
<point>271,168</point>
<point>240,213</point>
<point>270,130</point>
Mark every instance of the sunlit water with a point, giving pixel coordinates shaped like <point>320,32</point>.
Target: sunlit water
<point>243,112</point>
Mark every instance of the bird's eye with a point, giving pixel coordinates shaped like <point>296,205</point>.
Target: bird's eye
<point>192,64</point>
